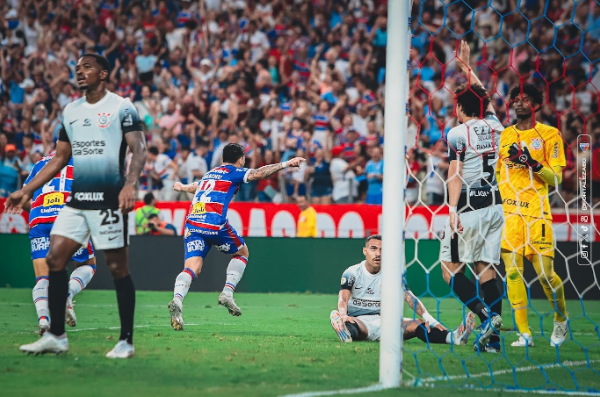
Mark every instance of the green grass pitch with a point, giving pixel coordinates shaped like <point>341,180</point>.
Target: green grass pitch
<point>282,344</point>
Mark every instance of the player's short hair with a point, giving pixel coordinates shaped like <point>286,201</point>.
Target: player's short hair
<point>531,90</point>
<point>100,60</point>
<point>232,152</point>
<point>153,150</point>
<point>372,237</point>
<point>148,198</point>
<point>473,100</point>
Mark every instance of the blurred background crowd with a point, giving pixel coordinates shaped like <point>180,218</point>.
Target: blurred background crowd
<point>289,78</point>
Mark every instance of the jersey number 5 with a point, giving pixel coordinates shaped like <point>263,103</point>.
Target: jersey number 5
<point>488,169</point>
<point>206,186</point>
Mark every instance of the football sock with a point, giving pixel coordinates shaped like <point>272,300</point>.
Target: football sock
<point>433,336</point>
<point>492,297</point>
<point>182,284</point>
<point>80,278</point>
<point>40,298</point>
<point>552,284</point>
<point>58,289</point>
<point>515,289</point>
<point>467,293</point>
<point>353,329</point>
<point>126,301</point>
<point>235,271</point>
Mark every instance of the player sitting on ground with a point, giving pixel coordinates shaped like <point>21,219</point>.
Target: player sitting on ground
<point>357,317</point>
<point>473,231</point>
<point>533,159</point>
<point>43,209</point>
<point>207,226</point>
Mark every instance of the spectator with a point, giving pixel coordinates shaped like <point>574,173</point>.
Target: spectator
<point>142,214</point>
<point>10,171</point>
<point>161,174</point>
<point>374,171</point>
<point>437,167</point>
<point>321,183</point>
<point>344,185</point>
<point>307,220</point>
<point>156,227</point>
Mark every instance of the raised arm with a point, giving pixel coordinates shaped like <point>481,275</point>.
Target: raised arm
<point>190,187</point>
<point>464,60</point>
<point>268,170</point>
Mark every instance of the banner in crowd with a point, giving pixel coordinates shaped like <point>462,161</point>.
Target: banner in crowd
<point>339,220</point>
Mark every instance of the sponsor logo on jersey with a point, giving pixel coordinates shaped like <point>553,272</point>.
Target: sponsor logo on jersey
<point>54,199</point>
<point>536,143</point>
<point>80,251</point>
<point>187,233</point>
<point>344,280</point>
<point>479,193</point>
<point>87,123</point>
<point>128,122</point>
<point>89,196</point>
<point>370,291</point>
<point>555,151</point>
<point>223,247</point>
<point>365,303</point>
<point>40,243</point>
<point>198,208</point>
<point>196,245</point>
<point>514,203</point>
<point>85,148</point>
<point>103,120</point>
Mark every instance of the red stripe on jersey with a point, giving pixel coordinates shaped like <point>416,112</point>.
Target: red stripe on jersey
<point>42,219</point>
<point>39,201</point>
<point>235,239</point>
<point>216,208</point>
<point>224,168</point>
<point>222,186</point>
<point>204,225</point>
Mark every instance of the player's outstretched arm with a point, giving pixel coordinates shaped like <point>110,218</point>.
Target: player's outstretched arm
<point>19,199</point>
<point>464,60</point>
<point>137,144</point>
<point>268,170</point>
<point>181,187</point>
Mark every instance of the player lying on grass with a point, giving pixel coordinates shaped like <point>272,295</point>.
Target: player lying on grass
<point>357,317</point>
<point>473,230</point>
<point>532,159</point>
<point>43,209</point>
<point>207,226</point>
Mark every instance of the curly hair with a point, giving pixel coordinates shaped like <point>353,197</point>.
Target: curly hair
<point>474,100</point>
<point>532,91</point>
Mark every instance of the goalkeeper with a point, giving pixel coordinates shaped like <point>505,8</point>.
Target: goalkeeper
<point>533,158</point>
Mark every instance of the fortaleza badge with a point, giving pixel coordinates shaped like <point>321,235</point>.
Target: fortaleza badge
<point>536,143</point>
<point>103,120</point>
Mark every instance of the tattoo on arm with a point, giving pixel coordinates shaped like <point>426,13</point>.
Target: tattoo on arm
<point>414,303</point>
<point>137,144</point>
<point>264,172</point>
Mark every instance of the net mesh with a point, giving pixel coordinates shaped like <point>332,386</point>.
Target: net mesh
<point>554,45</point>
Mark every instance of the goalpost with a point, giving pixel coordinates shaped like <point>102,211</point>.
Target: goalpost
<point>392,256</point>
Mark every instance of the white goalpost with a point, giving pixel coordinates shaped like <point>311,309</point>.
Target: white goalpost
<point>394,182</point>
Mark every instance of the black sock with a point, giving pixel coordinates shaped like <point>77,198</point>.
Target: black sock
<point>492,295</point>
<point>467,293</point>
<point>353,328</point>
<point>126,301</point>
<point>58,290</point>
<point>434,336</point>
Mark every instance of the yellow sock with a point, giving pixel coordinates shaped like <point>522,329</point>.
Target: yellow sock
<point>552,284</point>
<point>516,291</point>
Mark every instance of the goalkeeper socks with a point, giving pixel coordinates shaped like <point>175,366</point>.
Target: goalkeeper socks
<point>126,301</point>
<point>80,278</point>
<point>516,291</point>
<point>433,336</point>
<point>235,271</point>
<point>58,289</point>
<point>467,293</point>
<point>40,298</point>
<point>182,284</point>
<point>552,284</point>
<point>492,297</point>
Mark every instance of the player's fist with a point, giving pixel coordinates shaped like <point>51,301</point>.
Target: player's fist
<point>178,186</point>
<point>295,162</point>
<point>15,202</point>
<point>521,155</point>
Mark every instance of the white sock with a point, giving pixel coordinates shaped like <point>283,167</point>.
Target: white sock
<point>449,338</point>
<point>183,283</point>
<point>235,271</point>
<point>40,298</point>
<point>80,278</point>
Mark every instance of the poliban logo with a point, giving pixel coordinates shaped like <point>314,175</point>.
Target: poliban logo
<point>584,146</point>
<point>536,143</point>
<point>103,120</point>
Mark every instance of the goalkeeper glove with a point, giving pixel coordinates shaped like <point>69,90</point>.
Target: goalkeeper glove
<point>521,155</point>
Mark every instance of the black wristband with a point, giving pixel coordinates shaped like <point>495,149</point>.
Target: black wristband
<point>537,168</point>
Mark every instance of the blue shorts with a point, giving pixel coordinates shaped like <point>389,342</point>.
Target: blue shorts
<point>197,241</point>
<point>39,237</point>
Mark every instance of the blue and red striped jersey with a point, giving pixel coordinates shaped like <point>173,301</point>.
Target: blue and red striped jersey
<point>321,121</point>
<point>50,198</point>
<point>213,195</point>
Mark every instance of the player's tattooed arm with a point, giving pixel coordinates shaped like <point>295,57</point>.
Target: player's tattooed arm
<point>268,170</point>
<point>414,302</point>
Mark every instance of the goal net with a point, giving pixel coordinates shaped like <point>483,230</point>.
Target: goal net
<point>555,46</point>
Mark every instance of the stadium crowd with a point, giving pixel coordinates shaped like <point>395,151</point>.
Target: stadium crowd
<point>289,78</point>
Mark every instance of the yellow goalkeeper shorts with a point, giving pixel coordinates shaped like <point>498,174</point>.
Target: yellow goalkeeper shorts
<point>528,236</point>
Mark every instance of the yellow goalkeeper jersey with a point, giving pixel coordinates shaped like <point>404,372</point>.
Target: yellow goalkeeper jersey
<point>523,191</point>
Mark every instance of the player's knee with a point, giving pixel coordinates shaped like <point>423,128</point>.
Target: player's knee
<point>243,252</point>
<point>55,262</point>
<point>513,275</point>
<point>117,270</point>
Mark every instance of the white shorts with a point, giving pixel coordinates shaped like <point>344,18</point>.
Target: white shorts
<point>373,325</point>
<point>107,228</point>
<point>480,240</point>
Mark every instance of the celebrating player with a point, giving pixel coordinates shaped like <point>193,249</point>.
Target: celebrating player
<point>43,209</point>
<point>532,159</point>
<point>357,317</point>
<point>207,226</point>
<point>95,132</point>
<point>473,231</point>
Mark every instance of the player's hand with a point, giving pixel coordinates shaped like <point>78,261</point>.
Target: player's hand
<point>178,186</point>
<point>441,327</point>
<point>296,161</point>
<point>426,324</point>
<point>15,202</point>
<point>127,199</point>
<point>455,224</point>
<point>521,155</point>
<point>464,57</point>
